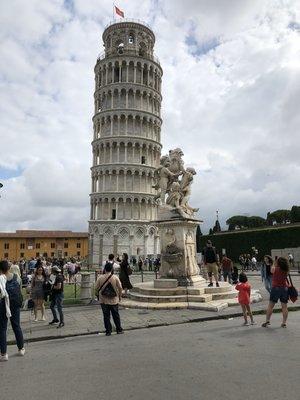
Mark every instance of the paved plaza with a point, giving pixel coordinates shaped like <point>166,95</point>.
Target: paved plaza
<point>208,360</point>
<point>83,320</point>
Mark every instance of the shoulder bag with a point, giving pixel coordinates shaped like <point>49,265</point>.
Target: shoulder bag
<point>292,291</point>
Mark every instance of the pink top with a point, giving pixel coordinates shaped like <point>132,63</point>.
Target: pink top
<point>244,290</point>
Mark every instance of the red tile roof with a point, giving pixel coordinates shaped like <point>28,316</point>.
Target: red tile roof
<point>43,234</point>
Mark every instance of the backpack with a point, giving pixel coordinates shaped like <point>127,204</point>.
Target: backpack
<point>14,292</point>
<point>109,291</point>
<point>108,263</point>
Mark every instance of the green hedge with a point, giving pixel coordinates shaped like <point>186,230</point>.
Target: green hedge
<point>241,242</point>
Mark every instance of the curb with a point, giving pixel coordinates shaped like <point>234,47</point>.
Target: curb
<point>194,320</point>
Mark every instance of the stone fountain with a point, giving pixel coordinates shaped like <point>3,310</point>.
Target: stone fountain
<point>180,285</point>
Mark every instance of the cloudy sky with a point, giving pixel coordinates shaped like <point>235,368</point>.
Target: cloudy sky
<point>231,91</point>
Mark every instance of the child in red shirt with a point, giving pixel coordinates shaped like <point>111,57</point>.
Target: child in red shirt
<point>244,290</point>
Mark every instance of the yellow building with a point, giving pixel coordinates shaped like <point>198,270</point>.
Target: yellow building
<point>32,243</point>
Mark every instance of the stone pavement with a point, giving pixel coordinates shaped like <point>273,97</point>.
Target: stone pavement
<point>84,320</point>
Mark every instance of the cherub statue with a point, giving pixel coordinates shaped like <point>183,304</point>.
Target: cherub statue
<point>174,196</point>
<point>185,187</point>
<point>163,176</point>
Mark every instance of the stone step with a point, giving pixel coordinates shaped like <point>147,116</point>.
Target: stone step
<point>225,295</point>
<point>202,298</point>
<point>160,292</point>
<point>128,303</point>
<point>156,299</point>
<point>168,292</point>
<point>221,289</point>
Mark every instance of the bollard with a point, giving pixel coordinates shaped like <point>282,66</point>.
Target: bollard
<point>86,287</point>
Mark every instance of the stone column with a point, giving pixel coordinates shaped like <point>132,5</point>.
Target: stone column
<point>100,249</point>
<point>115,245</point>
<point>90,258</point>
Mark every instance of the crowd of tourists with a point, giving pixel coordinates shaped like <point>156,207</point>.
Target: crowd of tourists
<point>46,279</point>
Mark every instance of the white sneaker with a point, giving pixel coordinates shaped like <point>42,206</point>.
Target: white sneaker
<point>3,357</point>
<point>35,320</point>
<point>43,319</point>
<point>21,352</point>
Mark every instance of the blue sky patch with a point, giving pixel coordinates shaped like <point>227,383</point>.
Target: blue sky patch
<point>198,49</point>
<point>7,173</point>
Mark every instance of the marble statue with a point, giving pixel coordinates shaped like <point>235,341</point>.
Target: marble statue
<point>173,191</point>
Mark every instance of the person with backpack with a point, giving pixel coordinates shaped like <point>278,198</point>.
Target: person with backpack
<point>111,260</point>
<point>109,289</point>
<point>10,307</point>
<point>57,296</point>
<point>210,259</point>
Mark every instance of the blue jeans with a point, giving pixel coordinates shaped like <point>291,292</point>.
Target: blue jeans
<point>15,324</point>
<point>268,283</point>
<point>227,274</point>
<point>56,302</point>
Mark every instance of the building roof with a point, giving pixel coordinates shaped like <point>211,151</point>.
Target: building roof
<point>43,234</point>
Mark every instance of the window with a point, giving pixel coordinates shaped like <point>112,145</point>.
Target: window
<point>66,254</point>
<point>78,245</point>
<point>131,39</point>
<point>5,255</point>
<point>6,246</point>
<point>21,255</point>
<point>143,160</point>
<point>66,245</point>
<point>37,254</point>
<point>52,254</point>
<point>52,245</point>
<point>45,255</point>
<point>113,213</point>
<point>78,253</point>
<point>38,245</point>
<point>22,246</point>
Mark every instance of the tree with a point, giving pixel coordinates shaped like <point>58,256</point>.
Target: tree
<point>237,221</point>
<point>280,216</point>
<point>210,232</point>
<point>256,222</point>
<point>217,227</point>
<point>198,238</point>
<point>295,214</point>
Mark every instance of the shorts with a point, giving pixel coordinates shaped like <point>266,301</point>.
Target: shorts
<point>212,268</point>
<point>279,293</point>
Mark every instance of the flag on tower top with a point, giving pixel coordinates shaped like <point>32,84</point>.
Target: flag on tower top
<point>119,12</point>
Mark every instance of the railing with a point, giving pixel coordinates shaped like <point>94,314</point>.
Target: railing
<point>135,53</point>
<point>120,20</point>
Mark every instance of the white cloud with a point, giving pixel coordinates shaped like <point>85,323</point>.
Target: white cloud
<point>230,86</point>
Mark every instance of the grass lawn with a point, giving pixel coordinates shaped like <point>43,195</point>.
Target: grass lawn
<point>69,294</point>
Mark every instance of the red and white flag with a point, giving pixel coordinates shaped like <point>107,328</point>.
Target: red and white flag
<point>119,12</point>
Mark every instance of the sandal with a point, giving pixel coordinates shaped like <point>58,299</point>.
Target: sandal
<point>265,324</point>
<point>283,325</point>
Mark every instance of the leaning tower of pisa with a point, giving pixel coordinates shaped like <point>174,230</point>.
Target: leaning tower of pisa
<point>126,143</point>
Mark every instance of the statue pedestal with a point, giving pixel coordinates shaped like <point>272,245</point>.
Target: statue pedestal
<point>178,249</point>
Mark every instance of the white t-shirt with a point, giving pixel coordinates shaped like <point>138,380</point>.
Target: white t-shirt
<point>116,266</point>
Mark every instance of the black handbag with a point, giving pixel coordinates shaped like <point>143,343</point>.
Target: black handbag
<point>108,291</point>
<point>292,291</point>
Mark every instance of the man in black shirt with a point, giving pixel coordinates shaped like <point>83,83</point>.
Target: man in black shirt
<point>210,260</point>
<point>57,295</point>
